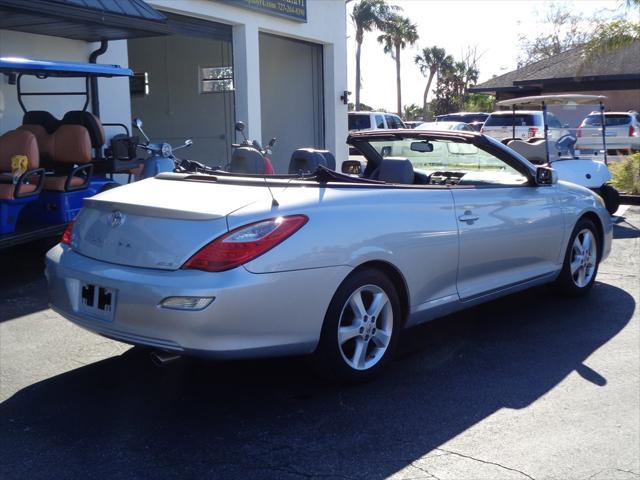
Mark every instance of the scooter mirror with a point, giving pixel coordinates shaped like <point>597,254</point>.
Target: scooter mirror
<point>137,122</point>
<point>240,126</point>
<point>272,142</point>
<point>188,143</point>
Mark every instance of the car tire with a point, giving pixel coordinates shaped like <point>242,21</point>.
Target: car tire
<point>611,198</point>
<point>579,270</point>
<point>361,328</point>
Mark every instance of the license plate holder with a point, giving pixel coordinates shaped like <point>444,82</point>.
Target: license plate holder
<point>98,301</point>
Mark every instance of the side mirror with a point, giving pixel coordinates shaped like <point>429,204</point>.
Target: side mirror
<point>188,143</point>
<point>240,126</point>
<point>137,122</point>
<point>385,151</point>
<point>352,167</point>
<point>272,142</point>
<point>546,176</point>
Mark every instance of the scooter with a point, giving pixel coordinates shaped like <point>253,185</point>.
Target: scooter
<point>161,157</point>
<point>249,156</point>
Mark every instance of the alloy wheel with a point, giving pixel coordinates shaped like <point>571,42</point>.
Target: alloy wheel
<point>365,327</point>
<point>583,258</point>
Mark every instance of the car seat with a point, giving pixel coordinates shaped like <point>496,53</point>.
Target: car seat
<point>394,170</point>
<point>307,160</point>
<point>247,160</point>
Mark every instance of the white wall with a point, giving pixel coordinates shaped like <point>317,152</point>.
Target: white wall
<point>114,92</point>
<point>326,25</point>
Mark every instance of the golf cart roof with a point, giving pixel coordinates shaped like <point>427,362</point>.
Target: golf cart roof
<point>60,69</point>
<point>575,99</point>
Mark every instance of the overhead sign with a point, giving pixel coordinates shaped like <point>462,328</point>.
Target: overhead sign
<point>291,9</point>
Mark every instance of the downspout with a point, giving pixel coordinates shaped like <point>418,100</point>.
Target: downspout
<point>95,100</point>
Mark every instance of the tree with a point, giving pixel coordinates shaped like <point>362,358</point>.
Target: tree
<point>413,112</point>
<point>566,30</point>
<point>398,32</point>
<point>431,61</point>
<point>479,102</point>
<point>453,83</point>
<point>367,15</point>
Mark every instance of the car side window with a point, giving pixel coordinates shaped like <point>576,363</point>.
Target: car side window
<point>553,121</point>
<point>379,121</point>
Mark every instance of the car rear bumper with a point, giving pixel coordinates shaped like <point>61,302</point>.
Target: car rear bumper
<point>252,315</point>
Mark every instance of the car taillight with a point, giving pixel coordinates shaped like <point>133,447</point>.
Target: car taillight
<point>632,131</point>
<point>579,131</point>
<point>68,234</point>
<point>533,132</point>
<point>244,244</point>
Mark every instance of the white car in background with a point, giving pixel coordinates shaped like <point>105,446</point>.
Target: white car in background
<point>465,127</point>
<point>374,121</point>
<point>528,124</point>
<point>622,131</point>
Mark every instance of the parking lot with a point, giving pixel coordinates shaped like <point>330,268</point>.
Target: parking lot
<point>529,386</point>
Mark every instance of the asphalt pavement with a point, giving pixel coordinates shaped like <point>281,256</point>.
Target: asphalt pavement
<point>529,386</point>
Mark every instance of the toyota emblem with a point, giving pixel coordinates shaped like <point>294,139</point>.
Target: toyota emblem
<point>116,219</point>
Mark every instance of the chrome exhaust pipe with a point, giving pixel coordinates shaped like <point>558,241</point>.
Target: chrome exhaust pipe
<point>160,358</point>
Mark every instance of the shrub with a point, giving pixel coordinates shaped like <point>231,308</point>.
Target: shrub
<point>626,174</point>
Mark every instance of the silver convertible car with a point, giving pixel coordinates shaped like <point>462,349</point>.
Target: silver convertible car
<point>320,262</point>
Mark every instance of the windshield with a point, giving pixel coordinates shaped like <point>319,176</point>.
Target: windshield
<point>359,122</point>
<point>446,155</point>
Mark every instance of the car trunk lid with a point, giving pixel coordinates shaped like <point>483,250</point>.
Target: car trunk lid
<point>157,223</point>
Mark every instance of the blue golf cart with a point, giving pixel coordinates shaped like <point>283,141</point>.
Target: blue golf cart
<point>49,165</point>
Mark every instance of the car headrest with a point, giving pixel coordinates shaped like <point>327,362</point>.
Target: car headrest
<point>329,158</point>
<point>42,118</point>
<point>246,160</point>
<point>89,121</point>
<point>18,142</point>
<point>306,160</point>
<point>71,144</point>
<point>395,170</point>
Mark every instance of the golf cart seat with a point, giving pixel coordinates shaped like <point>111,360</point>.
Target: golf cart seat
<point>61,151</point>
<point>307,160</point>
<point>20,178</point>
<point>534,151</point>
<point>93,125</point>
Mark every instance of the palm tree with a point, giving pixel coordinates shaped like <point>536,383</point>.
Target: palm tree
<point>431,61</point>
<point>398,31</point>
<point>367,15</point>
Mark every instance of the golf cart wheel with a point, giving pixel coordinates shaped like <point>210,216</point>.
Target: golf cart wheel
<point>611,198</point>
<point>361,328</point>
<point>581,261</point>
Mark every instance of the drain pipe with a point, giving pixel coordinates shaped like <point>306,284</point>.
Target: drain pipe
<point>95,100</point>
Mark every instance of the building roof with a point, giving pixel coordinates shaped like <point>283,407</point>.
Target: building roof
<point>89,20</point>
<point>569,66</point>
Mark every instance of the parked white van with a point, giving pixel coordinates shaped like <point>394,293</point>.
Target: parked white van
<point>374,121</point>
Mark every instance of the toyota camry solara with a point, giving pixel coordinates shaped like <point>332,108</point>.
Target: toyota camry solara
<point>324,263</point>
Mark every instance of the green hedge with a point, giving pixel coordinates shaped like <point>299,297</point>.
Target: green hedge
<point>626,174</point>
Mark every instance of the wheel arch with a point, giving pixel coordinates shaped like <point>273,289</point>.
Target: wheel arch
<point>396,277</point>
<point>595,219</point>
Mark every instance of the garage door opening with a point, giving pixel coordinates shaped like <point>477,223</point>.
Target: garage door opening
<point>183,88</point>
<point>291,96</point>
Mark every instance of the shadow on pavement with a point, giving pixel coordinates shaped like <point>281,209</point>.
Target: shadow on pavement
<point>624,229</point>
<point>271,419</point>
<point>24,278</point>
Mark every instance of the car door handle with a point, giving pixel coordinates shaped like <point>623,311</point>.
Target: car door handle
<point>468,217</point>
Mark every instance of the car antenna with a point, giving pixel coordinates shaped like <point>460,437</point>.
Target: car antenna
<point>274,202</point>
